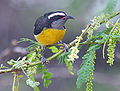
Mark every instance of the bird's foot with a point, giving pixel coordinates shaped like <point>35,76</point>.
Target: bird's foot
<point>44,60</point>
<point>65,47</point>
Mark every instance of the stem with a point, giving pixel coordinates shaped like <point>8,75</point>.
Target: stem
<point>15,86</point>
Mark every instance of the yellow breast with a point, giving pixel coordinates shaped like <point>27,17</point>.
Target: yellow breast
<point>50,36</point>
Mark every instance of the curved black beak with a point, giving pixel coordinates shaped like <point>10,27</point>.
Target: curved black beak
<point>70,17</point>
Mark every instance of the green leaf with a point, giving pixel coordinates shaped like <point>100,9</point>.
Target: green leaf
<point>2,66</point>
<point>20,76</point>
<point>100,41</point>
<point>31,47</point>
<point>47,75</point>
<point>54,49</point>
<point>87,67</point>
<point>107,30</point>
<point>31,57</point>
<point>41,68</point>
<point>69,66</point>
<point>101,37</point>
<point>47,83</point>
<point>28,40</point>
<point>11,62</point>
<point>63,57</point>
<point>116,36</point>
<point>93,47</point>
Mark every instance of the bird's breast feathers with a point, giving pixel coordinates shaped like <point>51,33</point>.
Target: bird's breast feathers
<point>50,36</point>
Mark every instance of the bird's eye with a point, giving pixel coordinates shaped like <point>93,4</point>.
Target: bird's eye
<point>63,18</point>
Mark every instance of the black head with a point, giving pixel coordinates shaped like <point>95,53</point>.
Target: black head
<point>55,20</point>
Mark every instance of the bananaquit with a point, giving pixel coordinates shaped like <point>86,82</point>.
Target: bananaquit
<point>50,28</point>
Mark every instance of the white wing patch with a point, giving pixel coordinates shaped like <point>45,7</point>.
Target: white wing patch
<point>55,14</point>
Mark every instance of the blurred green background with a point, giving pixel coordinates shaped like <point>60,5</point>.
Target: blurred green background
<point>17,19</point>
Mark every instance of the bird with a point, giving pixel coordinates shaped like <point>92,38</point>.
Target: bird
<point>50,29</point>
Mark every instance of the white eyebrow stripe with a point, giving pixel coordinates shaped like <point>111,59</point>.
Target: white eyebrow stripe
<point>54,14</point>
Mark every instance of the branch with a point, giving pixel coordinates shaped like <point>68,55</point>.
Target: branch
<point>70,44</point>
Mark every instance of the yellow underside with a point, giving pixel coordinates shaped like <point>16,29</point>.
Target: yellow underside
<point>50,36</point>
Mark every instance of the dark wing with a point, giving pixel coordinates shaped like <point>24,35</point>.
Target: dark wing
<point>39,25</point>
